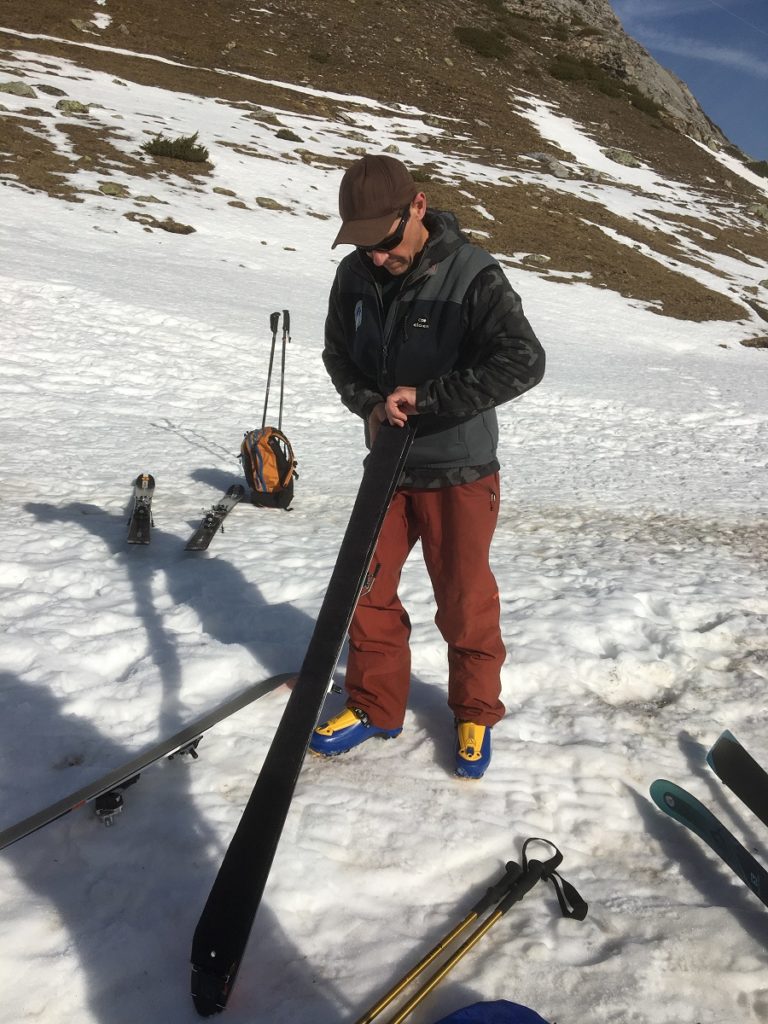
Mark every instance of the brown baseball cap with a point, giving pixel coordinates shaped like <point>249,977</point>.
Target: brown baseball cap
<point>373,191</point>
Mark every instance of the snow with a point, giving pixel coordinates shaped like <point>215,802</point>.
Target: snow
<point>631,555</point>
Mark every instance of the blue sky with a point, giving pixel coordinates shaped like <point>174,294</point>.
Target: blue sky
<point>720,49</point>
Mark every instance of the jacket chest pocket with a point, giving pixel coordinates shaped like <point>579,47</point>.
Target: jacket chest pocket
<point>428,348</point>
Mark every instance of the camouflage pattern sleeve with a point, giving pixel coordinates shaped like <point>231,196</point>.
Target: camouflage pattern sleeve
<point>357,392</point>
<point>501,358</point>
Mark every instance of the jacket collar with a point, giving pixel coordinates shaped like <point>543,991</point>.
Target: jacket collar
<point>445,236</point>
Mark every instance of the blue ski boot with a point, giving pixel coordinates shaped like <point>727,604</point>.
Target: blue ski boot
<point>344,731</point>
<point>473,750</point>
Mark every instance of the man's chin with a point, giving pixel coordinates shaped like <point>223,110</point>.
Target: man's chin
<point>397,268</point>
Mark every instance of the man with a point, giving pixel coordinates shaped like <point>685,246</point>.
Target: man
<point>422,323</point>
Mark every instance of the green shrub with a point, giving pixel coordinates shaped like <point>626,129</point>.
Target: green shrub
<point>573,69</point>
<point>421,174</point>
<point>567,69</point>
<point>511,29</point>
<point>642,102</point>
<point>484,43</point>
<point>759,167</point>
<point>185,147</point>
<point>609,87</point>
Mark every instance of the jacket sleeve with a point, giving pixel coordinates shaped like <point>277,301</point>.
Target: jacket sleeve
<point>501,357</point>
<point>357,392</point>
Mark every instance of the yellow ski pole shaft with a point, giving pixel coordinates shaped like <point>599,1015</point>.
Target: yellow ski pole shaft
<point>492,896</point>
<point>526,882</point>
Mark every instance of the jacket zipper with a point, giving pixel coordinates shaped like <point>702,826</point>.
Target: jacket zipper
<point>388,325</point>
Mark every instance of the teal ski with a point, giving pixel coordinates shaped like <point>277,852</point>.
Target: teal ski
<point>680,805</point>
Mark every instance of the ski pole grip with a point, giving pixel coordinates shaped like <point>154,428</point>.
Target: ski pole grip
<point>495,892</point>
<point>523,885</point>
<point>274,321</point>
<point>287,323</point>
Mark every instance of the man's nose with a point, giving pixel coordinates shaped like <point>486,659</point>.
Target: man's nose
<point>379,258</point>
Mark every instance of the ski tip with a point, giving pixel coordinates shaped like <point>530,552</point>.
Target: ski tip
<point>660,790</point>
<point>726,737</point>
<point>209,992</point>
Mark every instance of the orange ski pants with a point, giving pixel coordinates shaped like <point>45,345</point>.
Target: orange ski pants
<point>455,525</point>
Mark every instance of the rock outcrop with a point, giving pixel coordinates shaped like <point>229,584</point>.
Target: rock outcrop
<point>593,32</point>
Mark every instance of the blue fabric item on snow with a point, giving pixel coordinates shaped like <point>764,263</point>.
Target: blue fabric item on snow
<point>500,1012</point>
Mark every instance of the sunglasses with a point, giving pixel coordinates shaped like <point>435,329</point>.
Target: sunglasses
<point>393,240</point>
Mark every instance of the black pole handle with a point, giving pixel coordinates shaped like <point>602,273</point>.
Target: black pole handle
<point>495,892</point>
<point>522,886</point>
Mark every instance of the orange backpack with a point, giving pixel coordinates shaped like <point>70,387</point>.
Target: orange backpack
<point>269,466</point>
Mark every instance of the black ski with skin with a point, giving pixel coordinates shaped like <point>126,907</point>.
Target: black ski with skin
<point>680,805</point>
<point>140,523</point>
<point>741,773</point>
<point>182,742</point>
<point>214,518</point>
<point>224,927</point>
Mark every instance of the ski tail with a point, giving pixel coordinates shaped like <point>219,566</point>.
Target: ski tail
<point>741,773</point>
<point>140,522</point>
<point>121,777</point>
<point>213,520</point>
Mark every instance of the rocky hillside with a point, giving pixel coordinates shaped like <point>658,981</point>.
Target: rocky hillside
<point>589,30</point>
<point>473,69</point>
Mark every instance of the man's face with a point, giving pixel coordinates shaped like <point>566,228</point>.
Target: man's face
<point>399,260</point>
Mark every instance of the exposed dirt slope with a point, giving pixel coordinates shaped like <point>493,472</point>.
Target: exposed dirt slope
<point>400,54</point>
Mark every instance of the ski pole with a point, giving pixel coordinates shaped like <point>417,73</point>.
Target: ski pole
<point>510,890</point>
<point>526,882</point>
<point>491,897</point>
<point>286,338</point>
<point>274,321</point>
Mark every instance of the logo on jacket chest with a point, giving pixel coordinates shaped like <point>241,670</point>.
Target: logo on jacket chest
<point>421,322</point>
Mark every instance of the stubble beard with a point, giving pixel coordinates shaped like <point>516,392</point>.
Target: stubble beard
<point>400,265</point>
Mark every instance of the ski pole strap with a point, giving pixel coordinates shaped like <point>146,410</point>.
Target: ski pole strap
<point>571,903</point>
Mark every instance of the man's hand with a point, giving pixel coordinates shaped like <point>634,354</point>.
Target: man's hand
<point>400,405</point>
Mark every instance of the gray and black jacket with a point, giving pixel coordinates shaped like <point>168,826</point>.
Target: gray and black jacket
<point>455,330</point>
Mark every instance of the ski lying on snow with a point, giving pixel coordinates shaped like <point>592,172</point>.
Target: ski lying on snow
<point>108,786</point>
<point>741,773</point>
<point>225,924</point>
<point>680,805</point>
<point>140,523</point>
<point>213,520</point>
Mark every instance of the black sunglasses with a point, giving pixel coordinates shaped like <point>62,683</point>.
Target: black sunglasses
<point>393,240</point>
